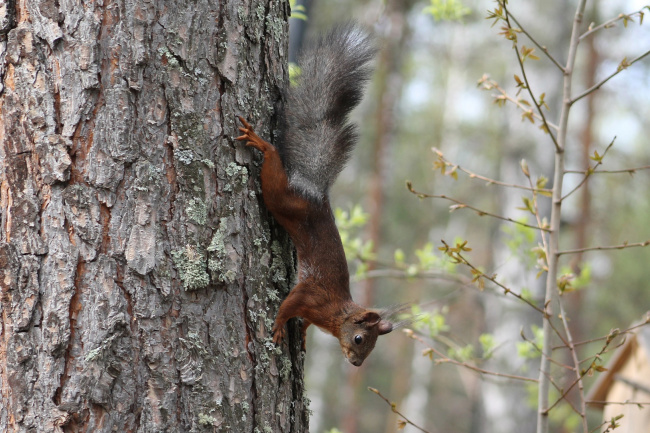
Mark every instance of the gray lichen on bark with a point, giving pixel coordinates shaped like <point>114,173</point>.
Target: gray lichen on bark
<point>139,272</point>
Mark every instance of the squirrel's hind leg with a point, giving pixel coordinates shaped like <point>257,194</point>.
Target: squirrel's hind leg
<point>283,203</point>
<point>252,139</point>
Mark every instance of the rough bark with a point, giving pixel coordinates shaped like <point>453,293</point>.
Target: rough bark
<point>139,271</point>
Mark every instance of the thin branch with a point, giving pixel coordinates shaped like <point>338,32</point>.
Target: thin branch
<point>583,373</point>
<point>461,205</point>
<point>400,274</point>
<point>558,388</point>
<point>393,407</point>
<point>626,170</point>
<point>592,358</point>
<point>613,333</point>
<point>444,359</point>
<point>491,278</point>
<point>457,279</point>
<point>553,361</point>
<point>610,76</point>
<point>534,41</point>
<point>611,247</point>
<point>530,92</point>
<point>486,179</point>
<point>576,363</point>
<point>643,403</point>
<point>597,429</point>
<point>539,221</point>
<point>489,84</point>
<point>591,170</point>
<point>609,23</point>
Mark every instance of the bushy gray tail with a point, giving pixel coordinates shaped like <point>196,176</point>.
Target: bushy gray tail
<point>318,138</point>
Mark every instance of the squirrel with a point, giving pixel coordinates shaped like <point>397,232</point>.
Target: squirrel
<point>296,177</point>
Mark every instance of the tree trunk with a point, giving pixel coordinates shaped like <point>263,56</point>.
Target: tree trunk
<point>139,271</point>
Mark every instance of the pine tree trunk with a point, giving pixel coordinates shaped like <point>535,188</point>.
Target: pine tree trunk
<point>139,271</point>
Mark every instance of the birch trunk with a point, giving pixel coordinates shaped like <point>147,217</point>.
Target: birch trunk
<point>139,271</point>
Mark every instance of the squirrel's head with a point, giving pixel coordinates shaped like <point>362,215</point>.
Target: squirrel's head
<point>359,334</point>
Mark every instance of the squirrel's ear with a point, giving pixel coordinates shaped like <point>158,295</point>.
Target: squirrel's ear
<point>370,318</point>
<point>385,327</point>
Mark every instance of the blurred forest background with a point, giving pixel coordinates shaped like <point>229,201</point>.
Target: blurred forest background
<point>425,94</point>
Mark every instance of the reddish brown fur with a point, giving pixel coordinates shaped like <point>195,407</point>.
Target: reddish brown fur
<point>322,295</point>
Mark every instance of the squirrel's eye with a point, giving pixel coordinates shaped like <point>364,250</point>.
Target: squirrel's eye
<point>358,339</point>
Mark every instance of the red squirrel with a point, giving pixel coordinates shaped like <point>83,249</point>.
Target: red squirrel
<point>296,177</point>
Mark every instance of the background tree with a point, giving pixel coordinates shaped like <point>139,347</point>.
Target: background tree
<point>139,271</point>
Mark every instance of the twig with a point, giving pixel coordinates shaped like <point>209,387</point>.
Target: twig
<point>530,92</point>
<point>464,205</point>
<point>536,208</point>
<point>626,170</point>
<point>606,79</point>
<point>574,357</point>
<point>486,179</point>
<point>611,424</point>
<point>397,273</point>
<point>554,361</point>
<point>592,358</point>
<point>393,407</point>
<point>612,334</point>
<point>619,402</point>
<point>609,23</point>
<point>582,374</point>
<point>534,41</point>
<point>591,170</point>
<point>559,389</point>
<point>489,84</point>
<point>611,247</point>
<point>444,359</point>
<point>506,289</point>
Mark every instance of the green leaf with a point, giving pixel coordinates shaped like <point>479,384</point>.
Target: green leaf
<point>487,344</point>
<point>462,354</point>
<point>596,157</point>
<point>399,256</point>
<point>500,100</point>
<point>496,15</point>
<point>528,115</point>
<point>528,205</point>
<point>447,10</point>
<point>542,102</point>
<point>527,53</point>
<point>426,256</point>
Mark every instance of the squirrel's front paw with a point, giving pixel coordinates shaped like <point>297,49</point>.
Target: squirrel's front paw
<point>279,335</point>
<point>251,138</point>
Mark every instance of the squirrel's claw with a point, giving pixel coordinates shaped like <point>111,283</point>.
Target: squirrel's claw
<point>244,122</point>
<point>247,130</point>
